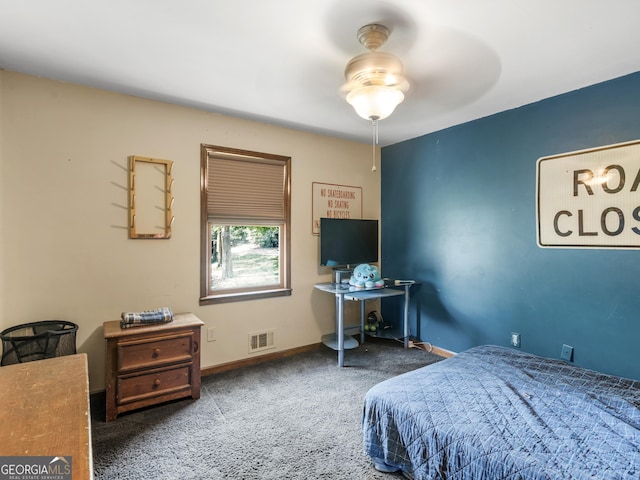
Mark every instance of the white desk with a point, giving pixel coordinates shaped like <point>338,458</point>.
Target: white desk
<point>345,292</point>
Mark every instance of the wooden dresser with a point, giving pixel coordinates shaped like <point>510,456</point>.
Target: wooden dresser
<point>44,411</point>
<point>151,364</point>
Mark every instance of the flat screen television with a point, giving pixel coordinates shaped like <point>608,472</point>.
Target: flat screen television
<point>348,242</point>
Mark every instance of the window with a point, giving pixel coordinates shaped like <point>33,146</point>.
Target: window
<point>245,216</point>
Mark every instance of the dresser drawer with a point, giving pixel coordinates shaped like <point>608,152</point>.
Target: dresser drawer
<point>154,383</point>
<point>154,351</point>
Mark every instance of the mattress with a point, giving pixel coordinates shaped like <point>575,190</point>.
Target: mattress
<point>498,413</point>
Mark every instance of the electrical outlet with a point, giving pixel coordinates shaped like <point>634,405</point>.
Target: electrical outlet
<point>212,334</point>
<point>515,339</point>
<point>567,353</point>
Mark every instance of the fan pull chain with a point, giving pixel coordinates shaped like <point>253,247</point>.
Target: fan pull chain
<point>374,124</point>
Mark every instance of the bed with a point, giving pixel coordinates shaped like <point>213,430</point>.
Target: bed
<point>498,413</point>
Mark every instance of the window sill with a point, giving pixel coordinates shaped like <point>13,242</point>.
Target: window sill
<point>243,296</point>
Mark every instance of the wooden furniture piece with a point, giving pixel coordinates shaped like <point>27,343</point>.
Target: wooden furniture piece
<point>151,364</point>
<point>44,411</point>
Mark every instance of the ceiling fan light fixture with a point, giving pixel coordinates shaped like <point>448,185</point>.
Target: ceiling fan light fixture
<point>375,102</point>
<point>375,80</point>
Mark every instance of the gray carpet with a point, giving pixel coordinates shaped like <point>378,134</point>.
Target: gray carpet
<point>293,418</point>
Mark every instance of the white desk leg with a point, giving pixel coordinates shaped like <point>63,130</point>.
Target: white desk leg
<point>406,316</point>
<point>340,327</point>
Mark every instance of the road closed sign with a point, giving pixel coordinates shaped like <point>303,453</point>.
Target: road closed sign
<point>590,198</point>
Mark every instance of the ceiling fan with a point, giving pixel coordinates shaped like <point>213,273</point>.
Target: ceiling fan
<point>375,80</point>
<point>441,68</point>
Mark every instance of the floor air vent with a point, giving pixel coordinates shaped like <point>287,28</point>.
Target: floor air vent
<point>259,341</point>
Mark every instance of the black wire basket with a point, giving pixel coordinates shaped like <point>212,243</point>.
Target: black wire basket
<point>37,341</point>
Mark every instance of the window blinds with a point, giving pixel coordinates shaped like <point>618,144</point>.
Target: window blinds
<point>241,190</point>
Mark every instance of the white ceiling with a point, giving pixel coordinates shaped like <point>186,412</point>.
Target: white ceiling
<point>282,61</point>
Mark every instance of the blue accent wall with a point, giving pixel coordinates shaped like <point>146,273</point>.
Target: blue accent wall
<point>459,216</point>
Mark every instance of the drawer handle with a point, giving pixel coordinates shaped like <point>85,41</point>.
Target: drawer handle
<point>156,352</point>
<point>156,383</point>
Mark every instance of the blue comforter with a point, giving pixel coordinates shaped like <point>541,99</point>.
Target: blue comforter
<point>497,413</point>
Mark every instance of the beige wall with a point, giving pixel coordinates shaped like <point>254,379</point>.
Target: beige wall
<point>64,247</point>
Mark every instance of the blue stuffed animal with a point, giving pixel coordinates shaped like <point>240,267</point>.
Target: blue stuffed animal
<point>366,276</point>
